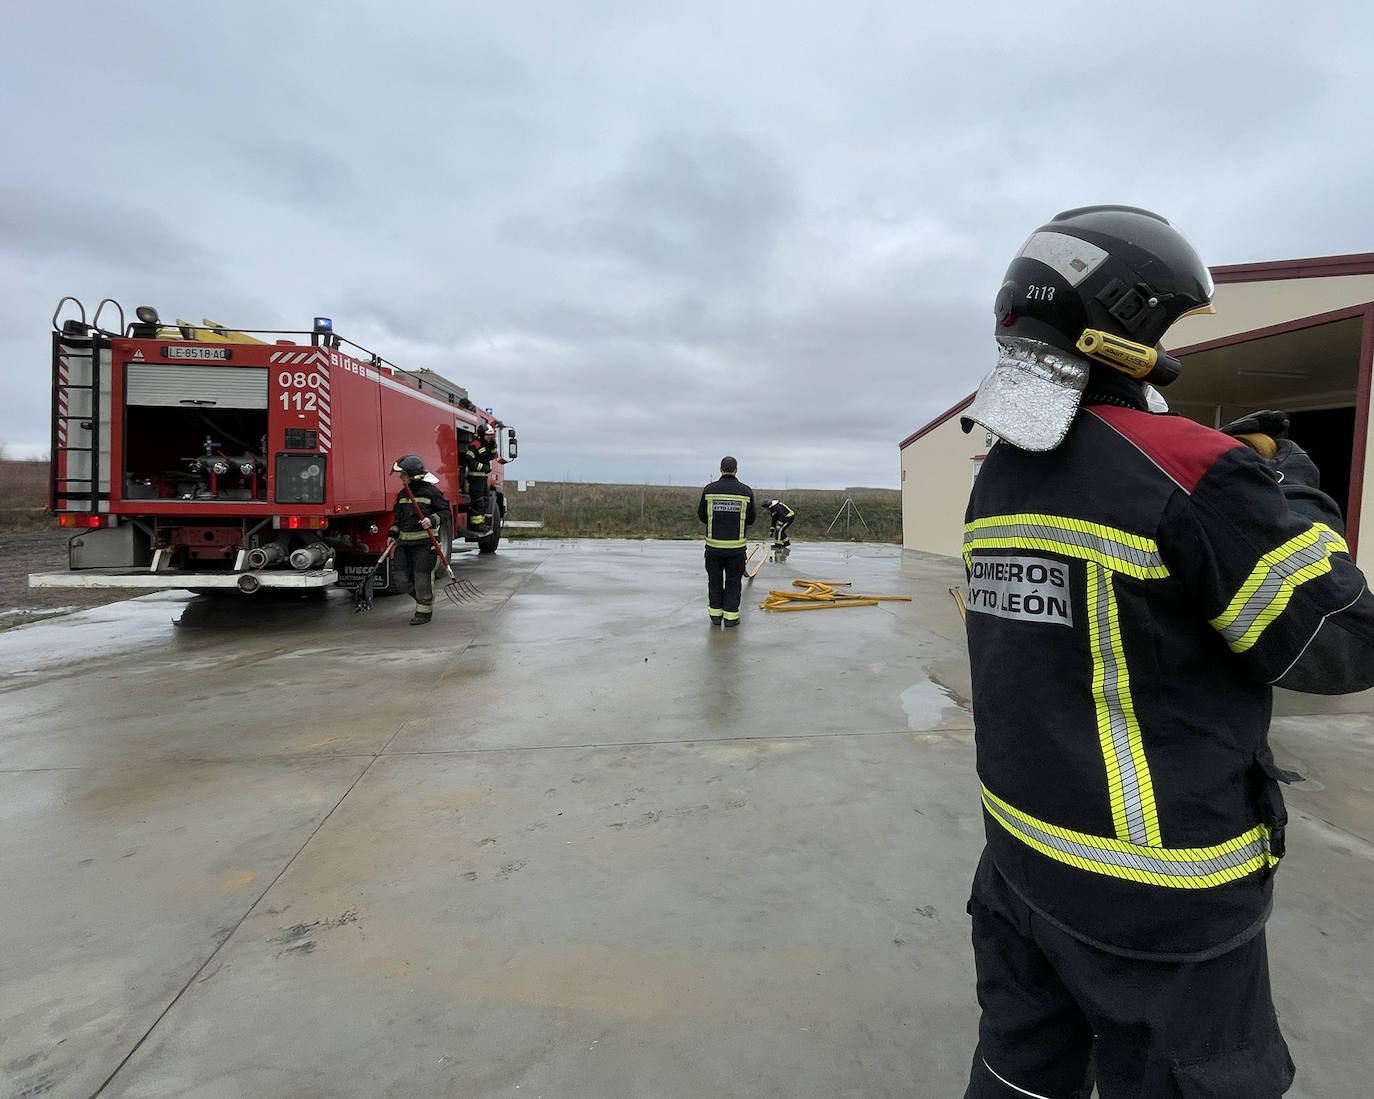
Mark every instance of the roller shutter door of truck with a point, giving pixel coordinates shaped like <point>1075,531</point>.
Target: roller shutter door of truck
<point>195,386</point>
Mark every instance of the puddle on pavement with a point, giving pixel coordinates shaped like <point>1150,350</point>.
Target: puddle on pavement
<point>929,705</point>
<point>97,633</point>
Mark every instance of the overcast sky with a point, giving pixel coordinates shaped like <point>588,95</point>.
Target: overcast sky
<point>651,233</point>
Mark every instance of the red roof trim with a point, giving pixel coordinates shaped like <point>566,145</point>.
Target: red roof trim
<point>1315,320</point>
<point>937,421</point>
<point>1358,263</point>
<point>1353,506</point>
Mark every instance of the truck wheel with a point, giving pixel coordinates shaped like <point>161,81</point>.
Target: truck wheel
<point>488,544</point>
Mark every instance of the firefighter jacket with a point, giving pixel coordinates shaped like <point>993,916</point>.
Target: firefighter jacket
<point>406,526</point>
<point>727,509</point>
<point>1132,596</point>
<point>479,457</point>
<point>781,511</point>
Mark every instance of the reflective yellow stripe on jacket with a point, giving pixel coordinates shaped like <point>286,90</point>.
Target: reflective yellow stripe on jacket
<point>1270,585</point>
<point>1171,867</point>
<point>722,507</point>
<point>1104,550</point>
<point>1109,547</point>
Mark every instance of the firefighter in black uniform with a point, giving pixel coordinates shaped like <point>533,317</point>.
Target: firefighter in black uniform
<point>415,559</point>
<point>1137,585</point>
<point>727,509</point>
<point>478,459</point>
<point>783,517</point>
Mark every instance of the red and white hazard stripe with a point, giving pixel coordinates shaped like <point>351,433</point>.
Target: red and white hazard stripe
<point>63,373</point>
<point>314,356</point>
<point>323,405</point>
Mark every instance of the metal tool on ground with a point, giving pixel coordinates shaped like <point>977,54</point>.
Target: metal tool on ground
<point>455,590</point>
<point>362,594</point>
<point>819,594</point>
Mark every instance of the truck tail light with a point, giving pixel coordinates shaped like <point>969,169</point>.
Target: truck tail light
<point>84,521</point>
<point>300,522</point>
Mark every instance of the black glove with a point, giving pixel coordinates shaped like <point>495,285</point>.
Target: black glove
<point>1269,422</point>
<point>394,532</point>
<point>1260,431</point>
<point>1293,466</point>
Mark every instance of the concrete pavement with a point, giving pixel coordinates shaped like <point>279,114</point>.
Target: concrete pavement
<point>569,841</point>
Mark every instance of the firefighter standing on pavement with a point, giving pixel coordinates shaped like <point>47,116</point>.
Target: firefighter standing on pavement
<point>1137,585</point>
<point>480,454</point>
<point>783,517</point>
<point>416,561</point>
<point>727,509</point>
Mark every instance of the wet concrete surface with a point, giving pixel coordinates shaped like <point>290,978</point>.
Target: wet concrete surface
<point>569,841</point>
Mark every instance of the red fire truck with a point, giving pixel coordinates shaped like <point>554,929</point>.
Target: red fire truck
<point>192,456</point>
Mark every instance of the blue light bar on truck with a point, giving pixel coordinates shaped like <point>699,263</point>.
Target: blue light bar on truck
<point>324,324</point>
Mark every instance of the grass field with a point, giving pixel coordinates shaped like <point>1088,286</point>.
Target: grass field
<point>580,510</point>
<point>23,493</point>
<point>572,510</point>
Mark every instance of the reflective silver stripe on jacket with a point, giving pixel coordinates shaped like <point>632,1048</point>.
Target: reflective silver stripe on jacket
<point>1169,867</point>
<point>1129,786</point>
<point>1265,594</point>
<point>728,503</point>
<point>1109,547</point>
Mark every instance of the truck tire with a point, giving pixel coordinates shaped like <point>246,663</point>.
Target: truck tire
<point>488,544</point>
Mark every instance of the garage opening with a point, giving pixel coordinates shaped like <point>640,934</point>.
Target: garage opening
<point>1309,370</point>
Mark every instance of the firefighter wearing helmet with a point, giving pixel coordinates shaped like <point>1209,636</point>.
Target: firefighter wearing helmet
<point>478,462</point>
<point>420,517</point>
<point>782,518</point>
<point>1137,585</point>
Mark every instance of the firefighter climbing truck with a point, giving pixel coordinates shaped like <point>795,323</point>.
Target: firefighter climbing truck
<point>192,456</point>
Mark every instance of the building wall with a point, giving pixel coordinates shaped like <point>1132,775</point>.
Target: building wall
<point>1241,307</point>
<point>1363,550</point>
<point>937,461</point>
<point>937,473</point>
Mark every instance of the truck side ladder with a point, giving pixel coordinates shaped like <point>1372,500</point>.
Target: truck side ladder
<point>74,472</point>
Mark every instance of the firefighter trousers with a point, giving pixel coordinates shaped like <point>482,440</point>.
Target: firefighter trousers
<point>1060,1015</point>
<point>479,492</point>
<point>724,574</point>
<point>415,565</point>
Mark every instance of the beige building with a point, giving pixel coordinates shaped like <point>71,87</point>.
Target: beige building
<point>1295,335</point>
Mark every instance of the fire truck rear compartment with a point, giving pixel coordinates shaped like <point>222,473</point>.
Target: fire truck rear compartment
<point>194,454</point>
<point>195,432</point>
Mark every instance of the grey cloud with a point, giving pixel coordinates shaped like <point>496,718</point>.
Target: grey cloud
<point>698,206</point>
<point>92,228</point>
<point>769,230</point>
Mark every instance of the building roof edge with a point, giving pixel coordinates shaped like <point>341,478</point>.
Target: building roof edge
<point>947,414</point>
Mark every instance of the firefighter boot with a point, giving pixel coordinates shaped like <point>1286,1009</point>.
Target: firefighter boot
<point>421,618</point>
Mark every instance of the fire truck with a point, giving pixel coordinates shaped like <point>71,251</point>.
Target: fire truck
<point>192,456</point>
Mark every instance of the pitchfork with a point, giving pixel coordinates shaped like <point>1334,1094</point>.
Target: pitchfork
<point>456,591</point>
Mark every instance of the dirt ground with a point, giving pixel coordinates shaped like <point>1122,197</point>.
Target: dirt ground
<point>26,551</point>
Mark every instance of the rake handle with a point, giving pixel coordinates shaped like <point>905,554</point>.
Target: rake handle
<point>428,530</point>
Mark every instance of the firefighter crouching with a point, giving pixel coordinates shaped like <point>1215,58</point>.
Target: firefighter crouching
<point>783,517</point>
<point>1137,585</point>
<point>421,516</point>
<point>480,454</point>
